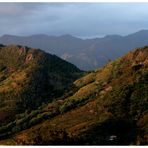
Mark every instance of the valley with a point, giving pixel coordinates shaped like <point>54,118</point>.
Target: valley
<point>62,105</point>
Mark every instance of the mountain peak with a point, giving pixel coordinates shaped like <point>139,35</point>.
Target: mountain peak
<point>142,31</point>
<point>39,75</point>
<point>7,36</point>
<point>66,35</point>
<point>40,35</point>
<point>69,36</point>
<point>113,36</point>
<point>139,33</point>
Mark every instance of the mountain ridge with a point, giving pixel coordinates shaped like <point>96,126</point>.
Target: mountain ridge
<point>107,106</point>
<point>30,77</point>
<point>87,54</point>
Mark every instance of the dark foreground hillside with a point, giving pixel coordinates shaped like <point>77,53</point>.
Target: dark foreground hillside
<point>29,78</point>
<point>108,106</point>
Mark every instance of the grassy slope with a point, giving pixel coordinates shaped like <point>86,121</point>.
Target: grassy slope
<point>109,101</point>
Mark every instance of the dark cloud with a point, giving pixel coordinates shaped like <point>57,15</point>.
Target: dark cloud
<point>78,19</point>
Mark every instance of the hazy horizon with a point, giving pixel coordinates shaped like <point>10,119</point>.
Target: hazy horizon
<point>84,38</point>
<point>83,20</point>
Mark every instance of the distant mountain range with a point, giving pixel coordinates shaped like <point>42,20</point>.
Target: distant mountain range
<point>87,54</point>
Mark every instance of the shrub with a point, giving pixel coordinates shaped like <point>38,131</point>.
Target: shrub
<point>2,67</point>
<point>35,121</point>
<point>45,115</point>
<point>68,105</point>
<point>16,129</point>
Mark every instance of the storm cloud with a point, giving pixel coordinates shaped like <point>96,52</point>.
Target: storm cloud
<point>79,19</point>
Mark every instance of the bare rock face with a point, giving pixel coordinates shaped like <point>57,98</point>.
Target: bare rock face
<point>29,58</point>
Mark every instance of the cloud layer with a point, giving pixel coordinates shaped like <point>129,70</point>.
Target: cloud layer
<point>78,19</point>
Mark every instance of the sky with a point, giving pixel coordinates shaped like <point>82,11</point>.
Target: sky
<point>85,20</point>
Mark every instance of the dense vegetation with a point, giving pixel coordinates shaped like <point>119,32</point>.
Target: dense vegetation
<point>30,77</point>
<point>108,106</point>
